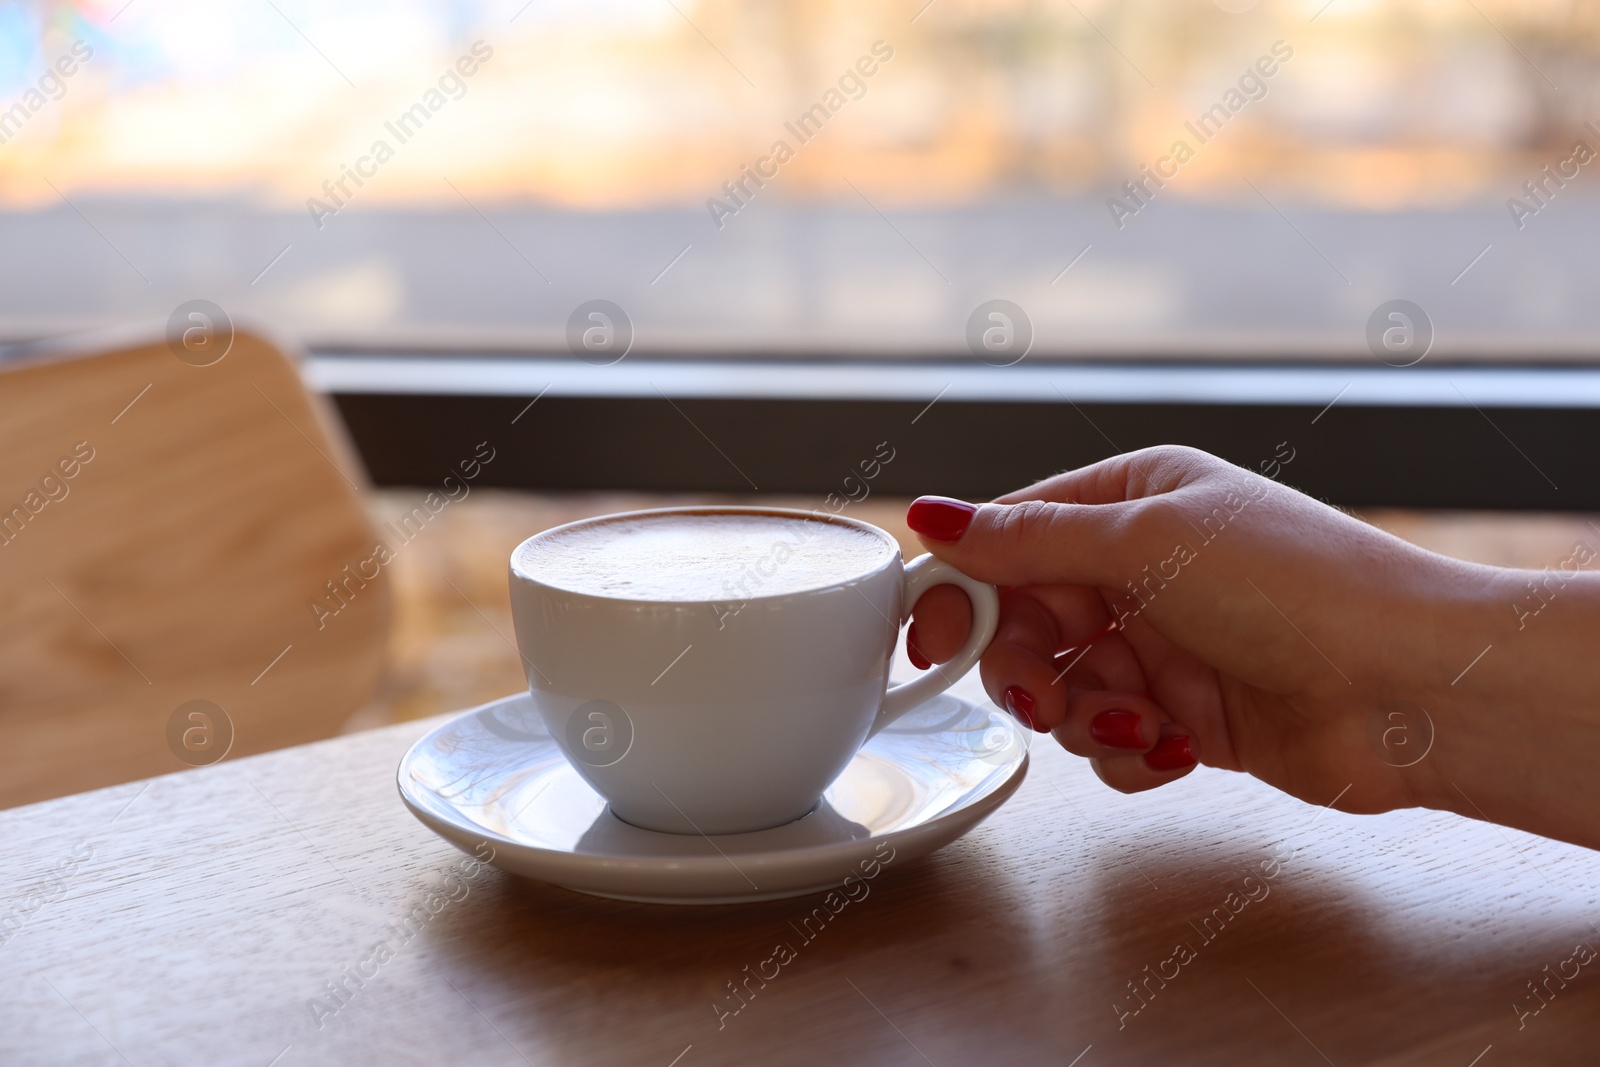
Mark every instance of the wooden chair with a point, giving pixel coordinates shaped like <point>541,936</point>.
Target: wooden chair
<point>171,510</point>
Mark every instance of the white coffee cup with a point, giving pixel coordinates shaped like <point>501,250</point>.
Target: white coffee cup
<point>692,717</point>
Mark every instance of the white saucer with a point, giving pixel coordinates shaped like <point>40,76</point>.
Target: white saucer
<point>493,775</point>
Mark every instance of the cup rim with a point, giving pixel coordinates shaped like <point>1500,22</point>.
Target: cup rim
<point>895,552</point>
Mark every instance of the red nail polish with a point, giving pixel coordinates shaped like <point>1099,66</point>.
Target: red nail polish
<point>939,517</point>
<point>1019,702</point>
<point>1170,754</point>
<point>918,660</point>
<point>1118,728</point>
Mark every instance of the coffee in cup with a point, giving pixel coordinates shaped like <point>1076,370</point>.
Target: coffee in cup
<point>701,555</point>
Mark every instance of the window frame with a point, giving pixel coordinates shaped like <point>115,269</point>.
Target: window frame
<point>1502,436</point>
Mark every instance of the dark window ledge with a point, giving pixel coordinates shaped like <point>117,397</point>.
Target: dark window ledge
<point>1506,436</point>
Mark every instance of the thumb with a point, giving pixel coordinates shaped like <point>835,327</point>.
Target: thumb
<point>1032,542</point>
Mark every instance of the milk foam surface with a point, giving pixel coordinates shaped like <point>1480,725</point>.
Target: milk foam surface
<point>702,556</point>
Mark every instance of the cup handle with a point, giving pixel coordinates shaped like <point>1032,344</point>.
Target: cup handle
<point>922,574</point>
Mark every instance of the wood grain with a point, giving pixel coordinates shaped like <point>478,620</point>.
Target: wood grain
<point>198,918</point>
<point>206,509</point>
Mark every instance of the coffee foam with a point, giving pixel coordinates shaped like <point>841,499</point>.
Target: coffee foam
<point>702,556</point>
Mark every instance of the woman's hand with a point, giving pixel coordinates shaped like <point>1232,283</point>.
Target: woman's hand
<point>1166,607</point>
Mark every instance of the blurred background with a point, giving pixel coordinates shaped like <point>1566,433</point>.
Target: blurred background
<point>577,160</point>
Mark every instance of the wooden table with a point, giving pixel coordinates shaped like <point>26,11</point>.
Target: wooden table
<point>204,917</point>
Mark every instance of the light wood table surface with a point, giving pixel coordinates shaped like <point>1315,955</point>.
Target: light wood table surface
<point>199,919</point>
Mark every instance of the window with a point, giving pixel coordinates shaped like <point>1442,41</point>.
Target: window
<point>1209,179</point>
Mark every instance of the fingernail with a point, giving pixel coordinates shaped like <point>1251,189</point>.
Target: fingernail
<point>1019,702</point>
<point>939,517</point>
<point>1118,728</point>
<point>1170,754</point>
<point>918,660</point>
